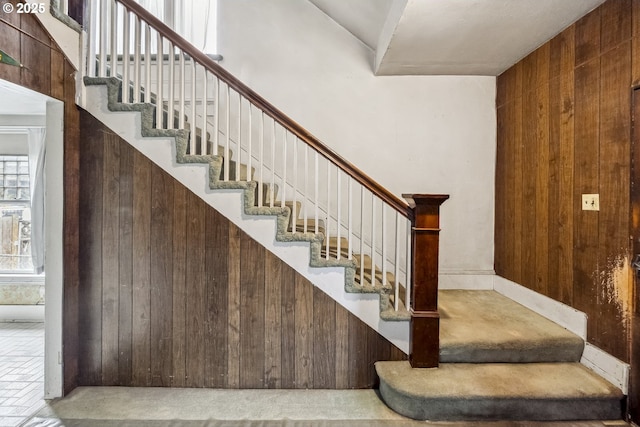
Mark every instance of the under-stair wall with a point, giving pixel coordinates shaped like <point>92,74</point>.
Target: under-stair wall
<point>174,294</point>
<point>567,104</point>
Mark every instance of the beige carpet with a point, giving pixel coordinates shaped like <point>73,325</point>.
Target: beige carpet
<point>47,422</point>
<point>165,407</point>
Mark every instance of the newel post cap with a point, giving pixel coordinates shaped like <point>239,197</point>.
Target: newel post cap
<point>425,199</point>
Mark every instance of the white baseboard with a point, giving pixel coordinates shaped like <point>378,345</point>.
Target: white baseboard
<point>608,367</point>
<point>479,281</point>
<point>565,316</point>
<point>21,313</point>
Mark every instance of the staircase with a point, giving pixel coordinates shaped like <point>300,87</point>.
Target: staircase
<point>261,199</point>
<point>348,224</point>
<point>499,361</point>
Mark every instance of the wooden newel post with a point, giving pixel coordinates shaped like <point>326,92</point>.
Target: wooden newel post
<point>424,339</point>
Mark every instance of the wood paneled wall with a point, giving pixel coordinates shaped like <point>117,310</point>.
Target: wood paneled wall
<point>174,294</point>
<point>47,71</point>
<point>564,130</point>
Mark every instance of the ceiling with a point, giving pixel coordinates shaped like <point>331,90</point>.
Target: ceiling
<point>453,37</point>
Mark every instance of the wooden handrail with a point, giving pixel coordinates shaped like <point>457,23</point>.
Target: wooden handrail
<point>196,54</point>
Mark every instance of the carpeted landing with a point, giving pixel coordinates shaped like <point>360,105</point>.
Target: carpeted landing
<point>499,361</point>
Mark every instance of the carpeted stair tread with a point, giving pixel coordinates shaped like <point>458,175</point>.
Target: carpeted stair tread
<point>311,226</point>
<point>485,326</point>
<point>497,391</point>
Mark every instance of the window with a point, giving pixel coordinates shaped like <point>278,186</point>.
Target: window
<point>15,215</point>
<point>195,20</point>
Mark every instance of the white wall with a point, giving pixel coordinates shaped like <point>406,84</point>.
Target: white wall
<point>420,134</point>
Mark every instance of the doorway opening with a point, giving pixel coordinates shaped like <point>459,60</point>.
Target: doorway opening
<point>31,238</point>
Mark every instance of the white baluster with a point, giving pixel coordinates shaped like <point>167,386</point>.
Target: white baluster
<point>373,239</point>
<point>396,271</point>
<point>239,141</point>
<point>192,120</point>
<point>306,190</point>
<point>182,93</point>
<point>272,185</point>
<point>361,235</point>
<point>339,212</point>
<point>126,98</point>
<point>249,177</point>
<point>216,120</point>
<point>316,194</point>
<point>104,29</point>
<point>283,191</point>
<point>261,160</point>
<point>327,225</point>
<point>350,218</point>
<point>147,63</point>
<point>204,139</point>
<point>384,244</point>
<point>159,72</point>
<point>114,38</point>
<point>172,98</point>
<point>294,209</point>
<point>227,129</point>
<point>136,59</point>
<point>91,66</point>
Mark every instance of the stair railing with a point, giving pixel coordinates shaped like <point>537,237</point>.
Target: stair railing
<point>369,227</point>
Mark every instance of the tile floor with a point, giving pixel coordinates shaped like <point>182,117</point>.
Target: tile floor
<point>21,372</point>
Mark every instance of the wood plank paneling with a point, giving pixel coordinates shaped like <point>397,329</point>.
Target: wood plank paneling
<point>207,305</point>
<point>217,281</point>
<point>288,351</point>
<point>529,165</point>
<point>233,302</point>
<point>196,292</point>
<point>357,351</point>
<point>616,24</point>
<point>71,244</point>
<point>614,183</point>
<point>141,254</point>
<point>252,299</point>
<point>125,268</point>
<point>179,290</point>
<point>273,322</point>
<point>342,348</point>
<point>635,42</point>
<point>518,178</point>
<point>110,258</point>
<point>36,56</point>
<point>572,138</point>
<point>324,345</point>
<point>542,171</point>
<point>90,257</point>
<point>586,160</point>
<point>161,276</point>
<point>565,206</point>
<point>304,334</point>
<point>587,32</point>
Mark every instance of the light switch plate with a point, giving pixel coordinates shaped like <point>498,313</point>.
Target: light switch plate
<point>590,202</point>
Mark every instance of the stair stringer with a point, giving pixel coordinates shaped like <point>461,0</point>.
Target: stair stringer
<point>234,200</point>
